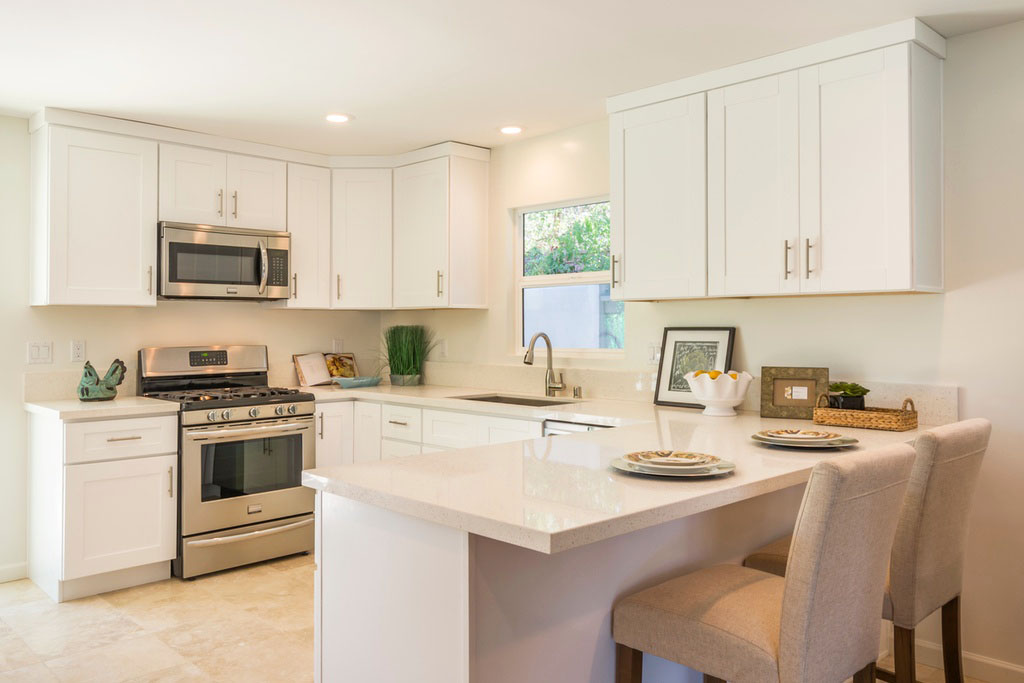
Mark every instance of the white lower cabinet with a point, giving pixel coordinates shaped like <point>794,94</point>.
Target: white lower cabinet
<point>390,448</point>
<point>119,514</point>
<point>503,430</point>
<point>334,433</point>
<point>103,503</point>
<point>366,432</point>
<point>450,429</point>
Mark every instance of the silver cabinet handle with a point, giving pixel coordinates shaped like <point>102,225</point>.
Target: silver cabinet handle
<point>615,259</point>
<point>150,276</point>
<point>220,202</point>
<point>295,285</point>
<point>786,272</point>
<point>234,195</point>
<point>396,422</point>
<point>440,283</point>
<point>112,439</point>
<point>339,286</point>
<point>170,482</point>
<point>807,258</point>
<point>221,540</point>
<point>321,426</point>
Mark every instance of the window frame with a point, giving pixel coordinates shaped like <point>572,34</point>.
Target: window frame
<point>521,282</point>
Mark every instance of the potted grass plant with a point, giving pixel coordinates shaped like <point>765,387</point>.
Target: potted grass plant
<point>405,350</point>
<point>846,395</point>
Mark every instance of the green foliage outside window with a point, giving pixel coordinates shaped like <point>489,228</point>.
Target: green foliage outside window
<point>572,239</point>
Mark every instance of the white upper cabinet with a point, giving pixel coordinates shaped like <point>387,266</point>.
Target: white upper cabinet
<point>753,187</point>
<point>192,188</point>
<point>94,218</point>
<point>258,191</point>
<point>214,188</point>
<point>658,208</point>
<point>421,235</point>
<point>361,228</point>
<point>440,234</point>
<point>824,173</point>
<point>309,223</point>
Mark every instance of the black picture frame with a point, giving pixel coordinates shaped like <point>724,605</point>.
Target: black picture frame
<point>664,395</point>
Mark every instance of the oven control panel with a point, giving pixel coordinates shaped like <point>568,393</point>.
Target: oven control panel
<point>198,359</point>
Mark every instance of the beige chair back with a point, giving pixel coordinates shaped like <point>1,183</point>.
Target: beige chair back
<point>928,551</point>
<point>837,565</point>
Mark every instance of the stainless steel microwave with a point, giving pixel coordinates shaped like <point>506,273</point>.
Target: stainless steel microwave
<point>209,262</point>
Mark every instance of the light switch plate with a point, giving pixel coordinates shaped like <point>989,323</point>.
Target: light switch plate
<point>78,351</point>
<point>442,349</point>
<point>40,353</point>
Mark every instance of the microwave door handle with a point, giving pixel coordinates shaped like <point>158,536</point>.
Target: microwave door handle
<point>264,267</point>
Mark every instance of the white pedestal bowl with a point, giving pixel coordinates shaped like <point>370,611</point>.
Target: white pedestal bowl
<point>721,395</point>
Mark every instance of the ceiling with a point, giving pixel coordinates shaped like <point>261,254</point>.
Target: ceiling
<point>411,72</point>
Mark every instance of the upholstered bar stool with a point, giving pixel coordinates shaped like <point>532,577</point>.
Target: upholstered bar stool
<point>819,624</point>
<point>926,569</point>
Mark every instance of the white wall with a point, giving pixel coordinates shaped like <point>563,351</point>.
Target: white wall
<point>970,336</point>
<point>116,332</point>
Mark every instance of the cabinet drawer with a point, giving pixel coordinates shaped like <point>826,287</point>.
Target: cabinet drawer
<point>397,449</point>
<point>117,439</point>
<point>504,430</point>
<point>456,430</point>
<point>400,422</point>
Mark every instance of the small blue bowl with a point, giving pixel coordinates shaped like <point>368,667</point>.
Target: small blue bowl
<point>356,382</point>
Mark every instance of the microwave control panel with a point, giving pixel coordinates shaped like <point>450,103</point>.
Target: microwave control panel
<point>277,268</point>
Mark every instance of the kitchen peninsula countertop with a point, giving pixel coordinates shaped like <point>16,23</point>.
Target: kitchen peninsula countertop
<point>556,493</point>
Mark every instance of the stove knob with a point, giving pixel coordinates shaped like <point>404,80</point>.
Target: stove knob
<point>226,414</point>
<point>254,412</point>
<point>212,416</point>
<point>279,410</point>
<point>292,409</point>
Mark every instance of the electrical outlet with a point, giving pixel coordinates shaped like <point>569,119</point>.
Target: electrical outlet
<point>339,346</point>
<point>442,349</point>
<point>40,352</point>
<point>78,351</point>
<point>654,353</point>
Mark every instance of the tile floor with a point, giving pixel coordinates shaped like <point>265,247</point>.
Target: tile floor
<point>249,624</point>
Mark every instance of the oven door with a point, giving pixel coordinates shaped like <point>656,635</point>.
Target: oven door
<point>244,473</point>
<point>198,261</point>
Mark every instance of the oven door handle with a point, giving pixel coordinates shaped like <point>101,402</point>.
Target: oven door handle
<point>264,266</point>
<point>229,433</point>
<point>222,540</point>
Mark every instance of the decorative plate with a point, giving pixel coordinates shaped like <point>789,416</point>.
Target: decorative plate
<point>671,460</point>
<point>719,468</point>
<point>841,442</point>
<point>801,434</point>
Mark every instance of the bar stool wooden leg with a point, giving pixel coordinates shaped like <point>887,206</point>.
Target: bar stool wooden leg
<point>708,678</point>
<point>865,675</point>
<point>903,654</point>
<point>629,664</point>
<point>952,657</point>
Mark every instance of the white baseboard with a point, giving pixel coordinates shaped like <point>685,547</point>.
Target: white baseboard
<point>975,666</point>
<point>13,572</point>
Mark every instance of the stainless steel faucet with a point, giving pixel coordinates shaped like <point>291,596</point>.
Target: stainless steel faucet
<point>550,385</point>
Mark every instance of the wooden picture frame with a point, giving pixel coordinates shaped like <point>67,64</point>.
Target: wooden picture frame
<point>791,392</point>
<point>683,347</point>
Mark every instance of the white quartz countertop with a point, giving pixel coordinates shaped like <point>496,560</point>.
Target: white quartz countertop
<point>557,493</point>
<point>73,410</point>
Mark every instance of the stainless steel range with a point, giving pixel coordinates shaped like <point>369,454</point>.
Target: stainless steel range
<point>242,448</point>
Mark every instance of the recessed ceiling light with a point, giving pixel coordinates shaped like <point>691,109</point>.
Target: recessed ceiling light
<point>338,118</point>
<point>511,130</point>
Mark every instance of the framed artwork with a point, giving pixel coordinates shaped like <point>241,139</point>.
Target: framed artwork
<point>791,392</point>
<point>685,349</point>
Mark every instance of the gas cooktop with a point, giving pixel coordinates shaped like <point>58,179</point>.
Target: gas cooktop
<point>205,399</point>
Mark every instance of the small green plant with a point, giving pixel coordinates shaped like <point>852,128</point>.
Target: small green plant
<point>848,389</point>
<point>406,348</point>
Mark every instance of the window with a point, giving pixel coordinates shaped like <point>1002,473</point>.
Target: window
<point>562,277</point>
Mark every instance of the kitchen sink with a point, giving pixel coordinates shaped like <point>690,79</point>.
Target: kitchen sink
<point>517,400</point>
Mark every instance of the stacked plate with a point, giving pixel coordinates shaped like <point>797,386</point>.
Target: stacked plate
<point>803,438</point>
<point>673,464</point>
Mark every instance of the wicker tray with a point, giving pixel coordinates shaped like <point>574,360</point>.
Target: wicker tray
<point>889,419</point>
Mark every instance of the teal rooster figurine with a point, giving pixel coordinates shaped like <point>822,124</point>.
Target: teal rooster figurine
<point>92,388</point>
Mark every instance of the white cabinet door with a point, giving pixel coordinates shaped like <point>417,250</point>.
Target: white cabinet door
<point>119,514</point>
<point>397,449</point>
<point>366,432</point>
<point>855,173</point>
<point>334,433</point>
<point>753,187</point>
<point>309,223</point>
<point>361,227</point>
<point>504,430</point>
<point>451,429</point>
<point>421,235</point>
<point>257,191</point>
<point>192,188</point>
<point>102,216</point>
<point>401,422</point>
<point>659,225</point>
